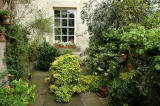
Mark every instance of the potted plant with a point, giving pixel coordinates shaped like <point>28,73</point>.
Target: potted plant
<point>5,16</point>
<point>102,89</point>
<point>60,45</point>
<point>123,56</point>
<point>2,34</point>
<point>101,92</point>
<point>70,45</point>
<point>33,50</point>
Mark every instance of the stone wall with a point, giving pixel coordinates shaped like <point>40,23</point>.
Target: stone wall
<point>49,5</point>
<point>2,63</point>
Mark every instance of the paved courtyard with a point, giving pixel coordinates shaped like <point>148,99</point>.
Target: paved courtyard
<point>46,99</point>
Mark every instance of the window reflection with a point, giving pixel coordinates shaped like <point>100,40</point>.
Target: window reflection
<point>57,13</point>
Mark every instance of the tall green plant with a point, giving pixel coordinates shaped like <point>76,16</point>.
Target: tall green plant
<point>17,51</point>
<point>42,25</point>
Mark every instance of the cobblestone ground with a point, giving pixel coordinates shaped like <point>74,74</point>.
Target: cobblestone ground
<point>46,99</point>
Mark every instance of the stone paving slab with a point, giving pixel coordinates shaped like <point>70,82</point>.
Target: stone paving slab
<point>46,99</point>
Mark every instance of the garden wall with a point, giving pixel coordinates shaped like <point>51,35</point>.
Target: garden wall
<point>2,64</point>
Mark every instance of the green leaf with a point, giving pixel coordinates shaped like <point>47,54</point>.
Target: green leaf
<point>157,66</point>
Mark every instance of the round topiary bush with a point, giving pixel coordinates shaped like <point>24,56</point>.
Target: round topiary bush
<point>64,77</point>
<point>46,55</point>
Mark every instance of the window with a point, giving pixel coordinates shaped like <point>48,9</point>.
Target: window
<point>64,25</point>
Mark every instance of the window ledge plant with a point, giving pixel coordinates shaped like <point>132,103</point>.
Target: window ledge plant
<point>65,45</point>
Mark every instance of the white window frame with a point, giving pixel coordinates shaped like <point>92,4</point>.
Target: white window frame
<point>75,23</point>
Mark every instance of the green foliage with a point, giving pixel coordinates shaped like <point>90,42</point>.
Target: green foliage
<point>5,12</point>
<point>46,55</point>
<point>124,27</point>
<point>41,25</point>
<point>2,29</point>
<point>90,82</point>
<point>65,77</point>
<point>66,51</point>
<point>18,93</point>
<point>16,55</point>
<point>33,48</point>
<point>114,13</point>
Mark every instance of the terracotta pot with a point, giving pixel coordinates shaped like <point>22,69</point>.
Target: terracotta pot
<point>33,59</point>
<point>7,94</point>
<point>129,67</point>
<point>2,37</point>
<point>29,105</point>
<point>101,92</point>
<point>72,41</point>
<point>123,57</point>
<point>5,19</point>
<point>70,47</point>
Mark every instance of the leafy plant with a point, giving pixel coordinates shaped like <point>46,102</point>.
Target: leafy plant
<point>66,51</point>
<point>124,27</point>
<point>41,25</point>
<point>33,48</point>
<point>64,77</point>
<point>46,55</point>
<point>2,29</point>
<point>17,93</point>
<point>5,12</point>
<point>16,55</point>
<point>65,44</point>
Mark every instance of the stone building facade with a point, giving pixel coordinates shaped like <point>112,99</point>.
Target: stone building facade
<point>66,15</point>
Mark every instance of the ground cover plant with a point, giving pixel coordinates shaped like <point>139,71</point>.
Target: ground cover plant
<point>131,27</point>
<point>17,93</point>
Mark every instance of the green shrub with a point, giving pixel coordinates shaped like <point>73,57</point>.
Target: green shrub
<point>65,77</point>
<point>2,29</point>
<point>19,93</point>
<point>46,55</point>
<point>119,29</point>
<point>16,54</point>
<point>89,82</point>
<point>66,51</point>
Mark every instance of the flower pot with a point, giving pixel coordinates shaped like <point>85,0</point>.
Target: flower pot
<point>33,59</point>
<point>129,67</point>
<point>70,47</point>
<point>123,57</point>
<point>101,92</point>
<point>5,19</point>
<point>2,37</point>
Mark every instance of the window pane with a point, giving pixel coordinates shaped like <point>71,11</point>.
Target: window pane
<point>64,38</point>
<point>57,31</point>
<point>71,31</point>
<point>57,13</point>
<point>71,22</point>
<point>71,13</point>
<point>64,31</point>
<point>64,22</point>
<point>64,13</point>
<point>57,22</point>
<point>71,38</point>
